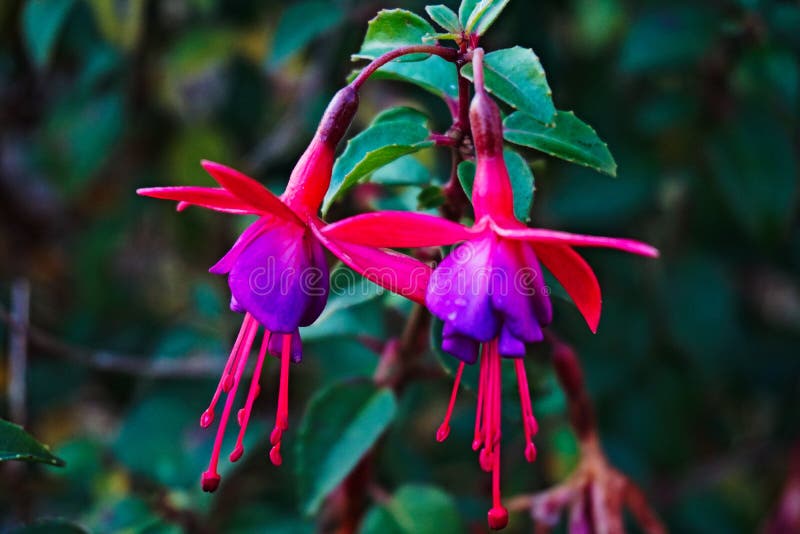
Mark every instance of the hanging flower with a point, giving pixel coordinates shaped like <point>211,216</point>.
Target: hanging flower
<point>489,291</point>
<point>277,270</point>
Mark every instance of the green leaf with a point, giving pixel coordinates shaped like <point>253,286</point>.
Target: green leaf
<point>348,290</point>
<point>415,509</point>
<point>522,183</point>
<point>340,426</point>
<point>42,21</point>
<point>570,139</point>
<point>520,174</point>
<point>515,76</point>
<point>430,198</point>
<point>16,444</point>
<point>301,23</point>
<point>50,526</point>
<point>80,137</point>
<point>393,134</point>
<point>484,15</point>
<point>391,29</point>
<point>407,170</point>
<point>435,75</point>
<point>465,10</point>
<point>444,17</point>
<point>120,22</point>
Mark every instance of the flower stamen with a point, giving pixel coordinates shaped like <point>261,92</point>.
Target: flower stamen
<point>208,416</point>
<point>529,424</point>
<point>282,414</point>
<point>210,478</point>
<point>255,389</point>
<point>444,428</point>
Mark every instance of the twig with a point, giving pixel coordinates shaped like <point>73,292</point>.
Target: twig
<point>596,493</point>
<point>199,365</point>
<point>18,350</point>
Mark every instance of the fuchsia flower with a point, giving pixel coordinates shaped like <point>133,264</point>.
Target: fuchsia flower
<point>277,270</point>
<point>489,291</point>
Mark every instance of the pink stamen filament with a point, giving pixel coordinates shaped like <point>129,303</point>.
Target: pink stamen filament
<point>252,394</point>
<point>478,438</point>
<point>444,428</point>
<point>498,515</point>
<point>529,425</point>
<point>210,478</point>
<point>282,415</point>
<point>208,416</point>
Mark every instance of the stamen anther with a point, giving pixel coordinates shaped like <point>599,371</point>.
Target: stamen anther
<point>444,428</point>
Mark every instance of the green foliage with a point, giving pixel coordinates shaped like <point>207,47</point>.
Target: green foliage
<point>42,21</point>
<point>393,134</point>
<point>338,430</point>
<point>16,444</point>
<point>695,362</point>
<point>50,526</point>
<point>756,172</point>
<point>522,181</point>
<point>393,28</point>
<point>570,139</point>
<point>515,76</point>
<point>300,24</point>
<point>444,17</point>
<point>435,75</point>
<point>668,38</point>
<point>414,509</point>
<point>483,15</point>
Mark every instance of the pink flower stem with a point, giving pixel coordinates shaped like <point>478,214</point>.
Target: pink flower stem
<point>450,54</point>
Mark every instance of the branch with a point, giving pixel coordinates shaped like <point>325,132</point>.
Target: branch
<point>18,350</point>
<point>450,54</point>
<point>596,493</point>
<point>199,365</point>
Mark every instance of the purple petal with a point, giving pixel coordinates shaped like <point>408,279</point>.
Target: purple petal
<point>458,291</point>
<point>511,346</point>
<point>533,281</point>
<point>276,346</point>
<point>267,278</point>
<point>510,295</point>
<point>462,347</point>
<point>315,280</point>
<point>235,306</point>
<point>225,264</point>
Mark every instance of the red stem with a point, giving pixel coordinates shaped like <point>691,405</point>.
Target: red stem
<point>450,54</point>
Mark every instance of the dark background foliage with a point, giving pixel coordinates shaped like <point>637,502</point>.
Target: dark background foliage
<point>695,370</point>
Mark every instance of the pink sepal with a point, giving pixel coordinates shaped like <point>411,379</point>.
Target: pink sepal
<point>391,270</point>
<point>249,191</point>
<point>577,277</point>
<point>538,235</point>
<point>397,229</point>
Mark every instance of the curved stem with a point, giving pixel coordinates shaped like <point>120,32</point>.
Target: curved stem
<point>477,68</point>
<point>450,54</point>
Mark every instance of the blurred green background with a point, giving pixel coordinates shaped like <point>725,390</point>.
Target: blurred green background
<point>695,370</point>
